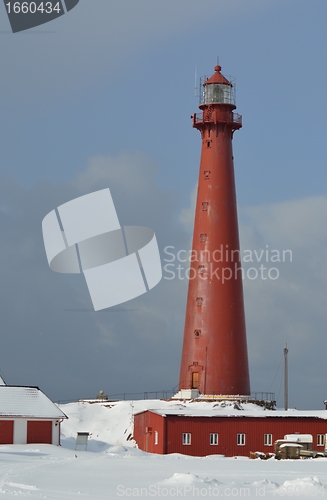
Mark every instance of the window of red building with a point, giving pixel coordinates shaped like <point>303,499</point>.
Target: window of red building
<point>241,439</point>
<point>186,438</point>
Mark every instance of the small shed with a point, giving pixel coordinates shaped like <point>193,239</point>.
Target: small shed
<point>28,416</point>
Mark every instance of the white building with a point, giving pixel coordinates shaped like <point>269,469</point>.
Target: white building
<point>27,415</point>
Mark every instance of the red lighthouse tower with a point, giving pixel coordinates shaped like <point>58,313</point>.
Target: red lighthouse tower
<point>214,357</point>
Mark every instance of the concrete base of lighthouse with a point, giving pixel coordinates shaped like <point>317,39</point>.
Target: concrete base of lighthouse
<point>186,394</point>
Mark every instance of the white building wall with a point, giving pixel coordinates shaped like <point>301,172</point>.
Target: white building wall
<point>55,432</point>
<point>20,431</point>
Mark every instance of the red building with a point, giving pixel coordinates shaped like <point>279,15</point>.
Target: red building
<point>28,416</point>
<point>230,433</point>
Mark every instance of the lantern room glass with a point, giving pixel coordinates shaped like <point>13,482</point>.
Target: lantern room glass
<point>217,92</point>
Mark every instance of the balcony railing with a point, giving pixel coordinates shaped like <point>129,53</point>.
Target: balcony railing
<point>224,117</point>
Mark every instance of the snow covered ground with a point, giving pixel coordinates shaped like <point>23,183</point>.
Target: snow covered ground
<point>113,468</point>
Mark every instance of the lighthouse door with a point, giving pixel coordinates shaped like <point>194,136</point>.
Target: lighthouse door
<point>195,380</point>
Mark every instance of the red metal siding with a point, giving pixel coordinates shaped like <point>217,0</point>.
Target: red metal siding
<point>39,431</point>
<point>6,431</point>
<point>140,424</point>
<point>171,428</point>
<point>228,428</point>
<point>145,427</point>
<point>214,356</point>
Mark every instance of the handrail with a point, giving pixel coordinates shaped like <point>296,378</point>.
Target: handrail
<point>167,394</point>
<point>227,117</point>
<point>268,396</point>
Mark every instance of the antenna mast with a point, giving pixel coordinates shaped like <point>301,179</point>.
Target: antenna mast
<point>285,378</point>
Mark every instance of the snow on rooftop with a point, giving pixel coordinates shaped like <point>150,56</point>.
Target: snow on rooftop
<point>299,438</point>
<point>245,412</point>
<point>16,401</point>
<point>290,444</point>
<point>220,409</point>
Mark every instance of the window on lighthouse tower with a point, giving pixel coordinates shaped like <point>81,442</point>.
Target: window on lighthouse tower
<point>217,92</point>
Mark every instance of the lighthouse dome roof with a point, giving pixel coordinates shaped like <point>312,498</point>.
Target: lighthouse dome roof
<point>217,77</point>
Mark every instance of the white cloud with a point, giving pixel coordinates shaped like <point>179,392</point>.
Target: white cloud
<point>186,215</point>
<point>295,222</point>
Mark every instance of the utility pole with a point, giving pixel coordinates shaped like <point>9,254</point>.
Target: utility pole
<point>285,378</point>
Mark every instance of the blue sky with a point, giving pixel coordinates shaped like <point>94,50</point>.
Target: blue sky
<point>102,97</point>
